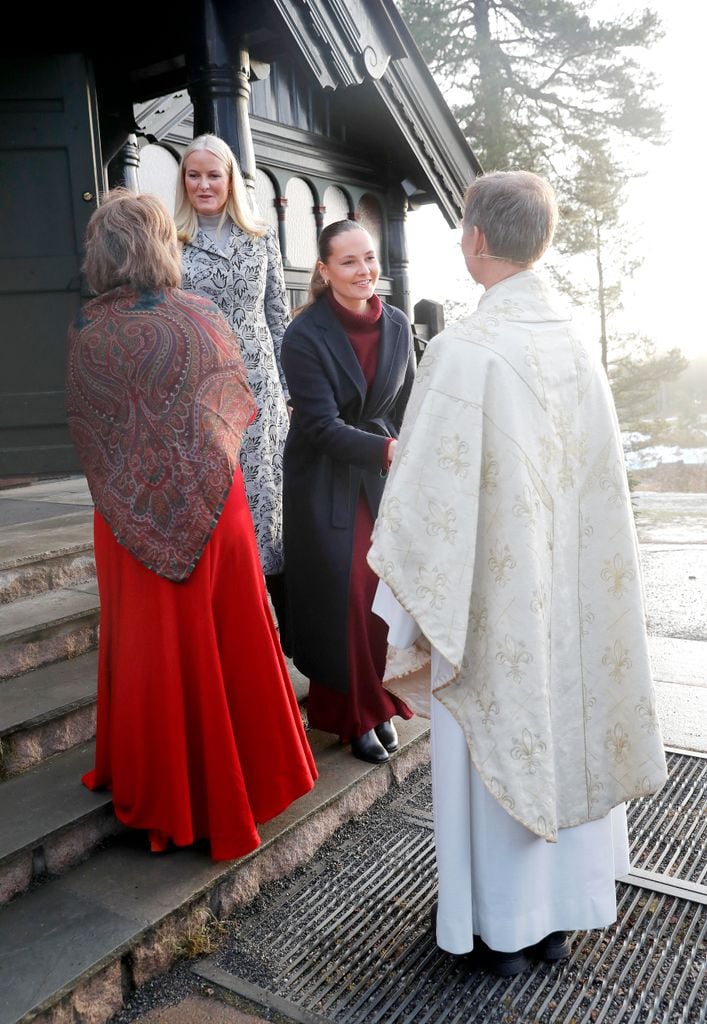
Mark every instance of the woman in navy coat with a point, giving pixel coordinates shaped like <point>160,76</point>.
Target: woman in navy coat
<point>349,363</point>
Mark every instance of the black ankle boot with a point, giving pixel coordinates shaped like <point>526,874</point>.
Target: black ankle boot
<point>555,946</point>
<point>369,748</point>
<point>505,965</point>
<point>387,734</point>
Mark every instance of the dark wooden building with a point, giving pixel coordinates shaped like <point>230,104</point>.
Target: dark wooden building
<point>327,103</point>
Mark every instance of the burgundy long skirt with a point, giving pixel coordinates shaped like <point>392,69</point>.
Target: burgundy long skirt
<point>367,703</point>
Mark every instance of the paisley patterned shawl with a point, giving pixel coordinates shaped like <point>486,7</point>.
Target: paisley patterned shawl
<point>157,402</point>
<point>506,532</point>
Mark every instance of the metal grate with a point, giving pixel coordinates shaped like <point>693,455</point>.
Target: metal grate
<point>668,833</point>
<point>348,941</point>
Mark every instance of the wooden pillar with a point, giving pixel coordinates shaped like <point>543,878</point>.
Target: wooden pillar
<point>131,163</point>
<point>123,167</point>
<point>398,263</point>
<point>281,207</point>
<point>219,84</point>
<point>319,212</point>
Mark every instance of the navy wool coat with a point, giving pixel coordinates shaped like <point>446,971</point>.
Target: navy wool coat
<point>333,452</point>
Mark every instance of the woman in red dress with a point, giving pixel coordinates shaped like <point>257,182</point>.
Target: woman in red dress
<point>199,734</point>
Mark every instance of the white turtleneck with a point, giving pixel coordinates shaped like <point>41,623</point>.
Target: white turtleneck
<point>218,235</point>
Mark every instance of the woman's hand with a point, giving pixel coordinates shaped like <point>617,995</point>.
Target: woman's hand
<point>391,451</point>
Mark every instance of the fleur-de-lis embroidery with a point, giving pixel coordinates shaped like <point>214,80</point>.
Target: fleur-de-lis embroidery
<point>478,615</point>
<point>649,717</point>
<point>618,743</point>
<point>539,601</point>
<point>531,358</point>
<point>388,572</point>
<point>616,658</point>
<point>501,562</point>
<point>431,584</point>
<point>450,455</point>
<point>615,488</point>
<point>617,573</point>
<point>528,749</point>
<point>501,794</point>
<point>542,828</point>
<point>513,655</point>
<point>565,449</point>
<point>484,326</point>
<point>645,787</point>
<point>390,515</point>
<point>487,706</point>
<point>489,472</point>
<point>440,520</point>
<point>527,506</point>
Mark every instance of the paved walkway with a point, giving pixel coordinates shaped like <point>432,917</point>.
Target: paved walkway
<point>672,530</point>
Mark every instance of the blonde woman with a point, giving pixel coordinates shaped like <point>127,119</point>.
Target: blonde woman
<point>233,258</point>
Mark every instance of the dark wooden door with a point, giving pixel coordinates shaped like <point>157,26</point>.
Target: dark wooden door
<point>50,174</point>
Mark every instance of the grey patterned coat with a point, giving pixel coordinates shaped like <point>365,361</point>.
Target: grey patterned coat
<point>246,282</point>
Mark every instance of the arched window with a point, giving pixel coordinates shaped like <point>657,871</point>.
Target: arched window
<point>336,204</point>
<point>265,198</point>
<point>158,173</point>
<point>301,224</point>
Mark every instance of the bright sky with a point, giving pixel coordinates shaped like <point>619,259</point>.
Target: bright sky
<point>667,208</point>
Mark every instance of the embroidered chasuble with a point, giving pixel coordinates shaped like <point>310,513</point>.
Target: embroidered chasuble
<point>506,531</point>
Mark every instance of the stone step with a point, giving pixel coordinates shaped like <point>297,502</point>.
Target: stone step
<point>50,821</point>
<point>45,711</point>
<point>47,572</point>
<point>47,627</point>
<point>42,555</point>
<point>72,947</point>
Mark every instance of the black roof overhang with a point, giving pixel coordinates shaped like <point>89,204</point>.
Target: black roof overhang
<point>362,43</point>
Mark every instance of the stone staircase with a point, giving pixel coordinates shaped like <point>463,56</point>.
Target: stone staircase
<point>86,913</point>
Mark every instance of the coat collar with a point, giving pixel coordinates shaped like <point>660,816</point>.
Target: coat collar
<point>336,341</point>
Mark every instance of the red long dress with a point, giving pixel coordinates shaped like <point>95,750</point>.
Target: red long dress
<point>367,703</point>
<point>199,735</point>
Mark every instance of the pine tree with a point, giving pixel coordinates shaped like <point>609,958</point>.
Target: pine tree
<point>546,87</point>
<point>533,83</point>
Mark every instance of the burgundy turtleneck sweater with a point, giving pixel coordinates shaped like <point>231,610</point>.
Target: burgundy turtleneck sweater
<point>363,331</point>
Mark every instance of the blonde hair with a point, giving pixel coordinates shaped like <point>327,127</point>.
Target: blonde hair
<point>317,284</point>
<point>237,206</point>
<point>131,239</point>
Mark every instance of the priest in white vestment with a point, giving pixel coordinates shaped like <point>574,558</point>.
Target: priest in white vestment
<point>511,583</point>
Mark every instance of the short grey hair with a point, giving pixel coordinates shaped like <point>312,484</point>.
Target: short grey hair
<point>517,212</point>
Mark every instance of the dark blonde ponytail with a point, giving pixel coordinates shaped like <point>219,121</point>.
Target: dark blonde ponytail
<point>317,284</point>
